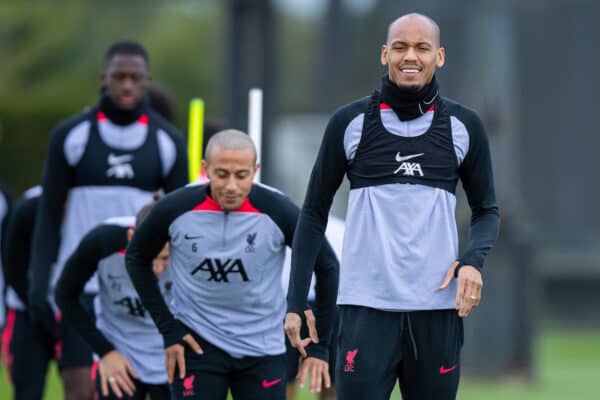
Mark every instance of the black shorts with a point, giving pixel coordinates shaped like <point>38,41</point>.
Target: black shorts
<point>154,391</point>
<point>27,352</point>
<point>293,356</point>
<point>72,350</point>
<point>210,375</point>
<point>420,349</point>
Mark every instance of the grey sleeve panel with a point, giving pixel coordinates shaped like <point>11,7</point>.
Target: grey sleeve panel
<point>76,142</point>
<point>167,151</point>
<point>478,182</point>
<point>176,175</point>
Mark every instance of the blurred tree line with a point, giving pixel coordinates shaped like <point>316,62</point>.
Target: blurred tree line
<point>51,59</point>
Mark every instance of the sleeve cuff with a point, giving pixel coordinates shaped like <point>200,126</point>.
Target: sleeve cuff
<point>318,350</point>
<point>175,334</point>
<point>462,263</point>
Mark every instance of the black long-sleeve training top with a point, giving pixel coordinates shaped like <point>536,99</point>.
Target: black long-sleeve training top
<point>401,236</point>
<point>97,169</point>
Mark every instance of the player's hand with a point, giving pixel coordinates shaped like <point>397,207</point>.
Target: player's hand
<point>293,324</point>
<point>317,370</point>
<point>468,293</point>
<point>116,372</point>
<point>175,356</point>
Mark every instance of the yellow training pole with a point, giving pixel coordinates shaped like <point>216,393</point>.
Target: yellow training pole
<point>195,138</point>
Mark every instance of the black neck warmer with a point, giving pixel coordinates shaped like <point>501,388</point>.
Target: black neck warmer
<point>409,104</point>
<point>117,115</point>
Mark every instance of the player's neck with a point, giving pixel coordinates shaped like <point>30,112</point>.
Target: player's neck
<point>118,115</point>
<point>409,104</point>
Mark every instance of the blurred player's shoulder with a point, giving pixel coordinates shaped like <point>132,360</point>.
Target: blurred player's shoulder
<point>66,125</point>
<point>164,124</point>
<point>32,192</point>
<point>124,221</point>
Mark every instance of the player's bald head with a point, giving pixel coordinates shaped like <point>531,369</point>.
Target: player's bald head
<point>229,139</point>
<point>414,18</point>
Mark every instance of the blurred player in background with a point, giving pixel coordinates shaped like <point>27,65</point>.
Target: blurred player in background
<point>27,350</point>
<point>104,162</point>
<point>132,361</point>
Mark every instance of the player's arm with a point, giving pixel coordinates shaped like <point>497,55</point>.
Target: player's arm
<point>327,278</point>
<point>100,242</point>
<point>18,244</point>
<point>115,370</point>
<point>326,177</point>
<point>478,181</point>
<point>57,180</point>
<point>147,242</point>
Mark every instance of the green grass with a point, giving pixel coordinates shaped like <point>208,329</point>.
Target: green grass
<point>568,368</point>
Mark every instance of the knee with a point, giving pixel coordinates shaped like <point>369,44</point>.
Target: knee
<point>78,384</point>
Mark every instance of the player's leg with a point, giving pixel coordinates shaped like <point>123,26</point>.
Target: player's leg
<point>159,392</point>
<point>200,385</point>
<point>292,362</point>
<point>141,390</point>
<point>30,352</point>
<point>76,358</point>
<point>259,378</point>
<point>433,371</point>
<point>369,351</point>
<point>207,375</point>
<point>330,393</point>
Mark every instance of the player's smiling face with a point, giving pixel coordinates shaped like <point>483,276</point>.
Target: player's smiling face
<point>126,80</point>
<point>412,52</point>
<point>231,173</point>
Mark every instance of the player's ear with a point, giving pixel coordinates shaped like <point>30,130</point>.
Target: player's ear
<point>384,55</point>
<point>130,233</point>
<point>441,57</point>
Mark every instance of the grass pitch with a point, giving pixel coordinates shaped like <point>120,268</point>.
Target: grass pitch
<point>568,367</point>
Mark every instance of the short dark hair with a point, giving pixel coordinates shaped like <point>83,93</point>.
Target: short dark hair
<point>145,211</point>
<point>128,47</point>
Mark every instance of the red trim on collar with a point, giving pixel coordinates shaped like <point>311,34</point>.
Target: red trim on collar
<point>210,204</point>
<point>143,119</point>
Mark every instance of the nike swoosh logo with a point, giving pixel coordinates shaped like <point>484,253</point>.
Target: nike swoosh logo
<point>188,237</point>
<point>114,160</point>
<point>268,384</point>
<point>401,158</point>
<point>444,371</point>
